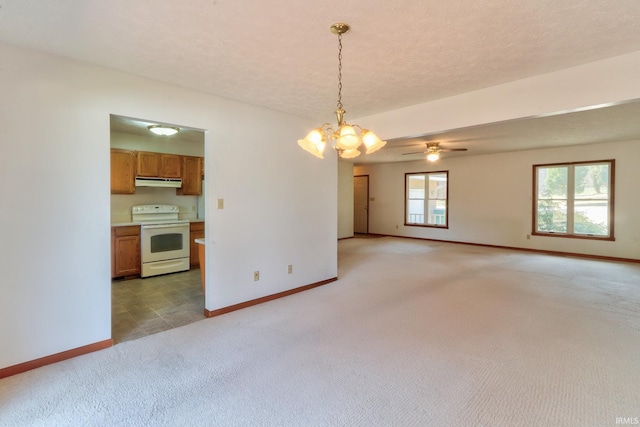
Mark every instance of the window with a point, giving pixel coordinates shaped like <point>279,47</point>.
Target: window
<point>426,199</point>
<point>574,199</point>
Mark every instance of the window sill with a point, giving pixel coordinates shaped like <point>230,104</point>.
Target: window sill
<point>426,225</point>
<point>575,236</point>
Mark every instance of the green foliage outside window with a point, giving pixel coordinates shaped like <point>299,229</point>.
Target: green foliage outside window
<point>589,196</point>
<point>551,217</point>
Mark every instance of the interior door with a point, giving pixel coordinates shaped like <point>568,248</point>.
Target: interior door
<point>361,204</point>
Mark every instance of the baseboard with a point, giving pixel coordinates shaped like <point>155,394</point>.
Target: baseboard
<point>257,301</point>
<point>54,358</point>
<point>515,248</point>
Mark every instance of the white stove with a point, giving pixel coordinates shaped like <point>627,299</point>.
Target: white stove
<point>164,239</point>
<point>156,214</point>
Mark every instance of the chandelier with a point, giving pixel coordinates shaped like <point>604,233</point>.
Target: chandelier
<point>347,137</point>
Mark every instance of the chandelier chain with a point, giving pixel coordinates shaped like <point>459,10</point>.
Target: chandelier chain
<point>340,71</point>
<point>346,138</point>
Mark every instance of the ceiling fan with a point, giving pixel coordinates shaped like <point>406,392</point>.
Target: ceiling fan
<point>433,151</point>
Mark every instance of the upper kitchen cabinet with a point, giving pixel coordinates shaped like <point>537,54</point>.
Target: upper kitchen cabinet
<point>148,164</point>
<point>123,171</point>
<point>191,176</point>
<point>170,166</point>
<point>160,165</point>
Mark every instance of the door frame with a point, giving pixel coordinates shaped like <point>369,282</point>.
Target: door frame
<point>367,208</point>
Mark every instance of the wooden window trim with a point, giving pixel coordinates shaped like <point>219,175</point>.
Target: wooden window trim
<point>611,222</point>
<point>411,224</point>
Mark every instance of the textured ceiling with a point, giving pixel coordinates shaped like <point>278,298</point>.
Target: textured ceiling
<point>280,54</point>
<point>598,125</point>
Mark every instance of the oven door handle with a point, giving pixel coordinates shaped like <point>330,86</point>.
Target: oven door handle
<point>186,225</point>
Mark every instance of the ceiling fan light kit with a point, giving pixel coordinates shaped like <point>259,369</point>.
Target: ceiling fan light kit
<point>347,138</point>
<point>432,157</point>
<point>433,151</point>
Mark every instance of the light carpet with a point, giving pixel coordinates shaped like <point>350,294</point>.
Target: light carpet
<point>413,333</point>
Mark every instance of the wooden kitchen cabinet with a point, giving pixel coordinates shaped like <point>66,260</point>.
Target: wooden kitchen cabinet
<point>125,251</point>
<point>170,166</point>
<point>196,231</point>
<point>191,176</point>
<point>148,164</point>
<point>161,165</point>
<point>123,171</point>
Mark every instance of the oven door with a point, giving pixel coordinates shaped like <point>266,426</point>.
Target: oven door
<point>160,242</point>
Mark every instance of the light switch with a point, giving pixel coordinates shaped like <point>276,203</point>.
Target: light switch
<point>220,203</point>
<point>372,199</point>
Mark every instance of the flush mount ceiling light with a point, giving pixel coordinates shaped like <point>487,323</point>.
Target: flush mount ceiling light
<point>345,139</point>
<point>163,130</point>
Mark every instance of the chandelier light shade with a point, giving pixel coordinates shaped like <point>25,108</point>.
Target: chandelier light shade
<point>314,143</point>
<point>371,141</point>
<point>163,130</point>
<point>347,138</point>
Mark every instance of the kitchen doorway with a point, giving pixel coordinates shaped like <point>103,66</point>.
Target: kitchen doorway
<point>162,171</point>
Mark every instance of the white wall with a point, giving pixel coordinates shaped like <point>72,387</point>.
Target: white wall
<point>490,199</point>
<point>280,202</point>
<point>345,199</point>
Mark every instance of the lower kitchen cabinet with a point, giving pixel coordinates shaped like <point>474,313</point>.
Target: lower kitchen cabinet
<point>125,251</point>
<point>196,231</point>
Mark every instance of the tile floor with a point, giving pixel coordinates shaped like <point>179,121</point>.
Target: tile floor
<point>142,307</point>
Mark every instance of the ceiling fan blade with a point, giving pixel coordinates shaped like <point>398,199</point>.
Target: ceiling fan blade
<point>453,149</point>
<point>417,152</point>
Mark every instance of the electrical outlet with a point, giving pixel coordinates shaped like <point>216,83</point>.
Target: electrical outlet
<point>290,269</point>
<point>396,226</point>
<point>220,203</point>
<point>528,236</point>
<point>256,276</point>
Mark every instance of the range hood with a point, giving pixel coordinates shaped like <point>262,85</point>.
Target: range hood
<point>143,181</point>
